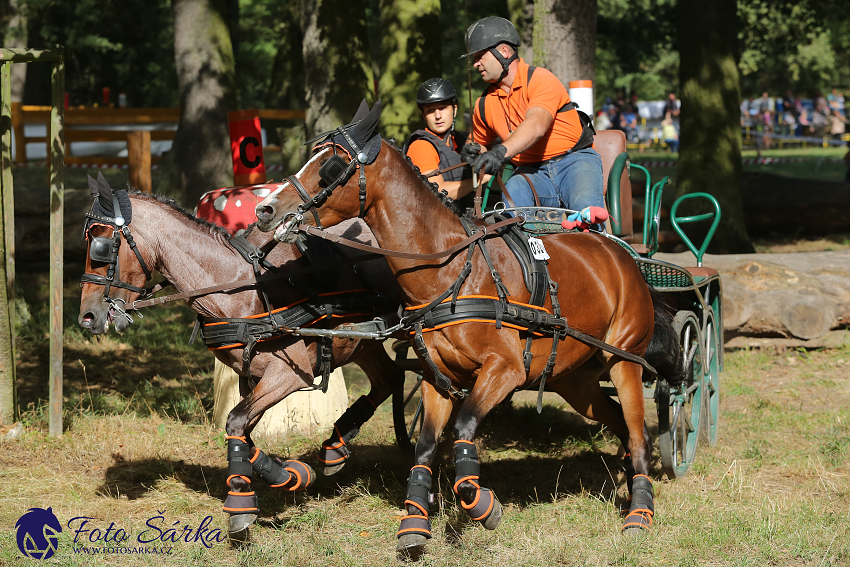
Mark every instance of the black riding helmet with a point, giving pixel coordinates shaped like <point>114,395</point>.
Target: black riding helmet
<point>487,34</point>
<point>436,90</point>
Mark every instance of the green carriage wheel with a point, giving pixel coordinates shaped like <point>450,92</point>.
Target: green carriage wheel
<point>712,379</point>
<point>680,407</point>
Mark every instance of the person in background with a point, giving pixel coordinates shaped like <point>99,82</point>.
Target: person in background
<point>669,133</point>
<point>602,122</point>
<point>629,122</point>
<point>671,106</point>
<point>436,146</point>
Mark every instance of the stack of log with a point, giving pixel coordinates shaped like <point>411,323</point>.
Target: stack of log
<point>786,299</point>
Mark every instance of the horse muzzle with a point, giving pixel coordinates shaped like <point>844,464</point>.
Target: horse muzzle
<point>97,321</point>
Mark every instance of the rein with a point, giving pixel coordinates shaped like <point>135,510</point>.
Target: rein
<point>485,231</point>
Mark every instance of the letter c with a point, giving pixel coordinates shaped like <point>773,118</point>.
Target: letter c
<point>243,145</point>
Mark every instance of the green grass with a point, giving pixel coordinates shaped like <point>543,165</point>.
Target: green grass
<point>773,492</point>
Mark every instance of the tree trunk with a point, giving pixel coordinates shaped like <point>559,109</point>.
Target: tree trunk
<point>336,71</point>
<point>206,77</point>
<point>565,38</point>
<point>710,141</point>
<point>410,54</point>
<point>790,296</point>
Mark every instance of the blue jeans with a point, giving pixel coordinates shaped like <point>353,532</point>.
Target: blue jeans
<point>574,182</point>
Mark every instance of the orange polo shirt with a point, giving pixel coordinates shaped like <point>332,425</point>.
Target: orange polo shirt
<point>424,156</point>
<point>504,112</point>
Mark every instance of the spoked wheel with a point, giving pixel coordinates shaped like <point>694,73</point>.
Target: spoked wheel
<point>679,407</point>
<point>711,395</point>
<point>408,411</point>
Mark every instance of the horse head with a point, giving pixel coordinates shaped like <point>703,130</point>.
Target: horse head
<point>115,275</point>
<point>331,186</point>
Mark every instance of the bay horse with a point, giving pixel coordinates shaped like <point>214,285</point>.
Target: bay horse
<point>600,289</point>
<point>193,254</point>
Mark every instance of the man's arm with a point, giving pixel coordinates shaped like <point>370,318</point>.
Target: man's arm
<point>537,122</point>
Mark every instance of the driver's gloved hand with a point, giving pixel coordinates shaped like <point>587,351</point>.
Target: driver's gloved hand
<point>469,152</point>
<point>492,161</point>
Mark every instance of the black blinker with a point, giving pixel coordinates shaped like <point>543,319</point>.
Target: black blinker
<point>333,169</point>
<point>100,250</point>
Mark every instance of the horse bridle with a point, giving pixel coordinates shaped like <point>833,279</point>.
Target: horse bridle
<point>105,250</point>
<point>334,172</point>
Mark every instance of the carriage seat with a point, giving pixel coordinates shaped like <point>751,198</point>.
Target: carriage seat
<point>609,144</point>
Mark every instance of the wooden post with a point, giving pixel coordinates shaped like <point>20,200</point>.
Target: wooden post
<point>57,208</point>
<point>8,403</point>
<point>139,156</point>
<point>20,136</point>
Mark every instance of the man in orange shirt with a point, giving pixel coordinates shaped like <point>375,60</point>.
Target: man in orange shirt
<point>526,117</point>
<point>436,147</point>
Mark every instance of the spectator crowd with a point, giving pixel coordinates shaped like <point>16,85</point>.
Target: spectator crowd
<point>820,117</point>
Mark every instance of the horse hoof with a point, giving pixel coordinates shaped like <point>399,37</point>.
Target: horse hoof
<point>411,546</point>
<point>332,470</point>
<point>634,531</point>
<point>491,522</point>
<point>238,528</point>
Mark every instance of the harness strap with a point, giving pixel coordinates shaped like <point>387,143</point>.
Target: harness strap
<point>440,379</point>
<point>304,197</point>
<point>484,232</point>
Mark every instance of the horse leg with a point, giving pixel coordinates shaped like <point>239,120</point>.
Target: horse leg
<point>626,421</point>
<point>415,528</point>
<point>384,377</point>
<point>493,386</point>
<point>278,381</point>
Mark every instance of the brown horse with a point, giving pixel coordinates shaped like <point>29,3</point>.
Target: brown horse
<point>601,292</point>
<point>193,254</point>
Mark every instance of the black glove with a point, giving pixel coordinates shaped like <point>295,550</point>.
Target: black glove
<point>492,161</point>
<point>469,152</point>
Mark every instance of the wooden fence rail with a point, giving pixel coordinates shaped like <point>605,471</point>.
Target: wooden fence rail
<point>78,117</point>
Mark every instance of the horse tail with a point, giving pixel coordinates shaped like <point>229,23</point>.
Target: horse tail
<point>664,352</point>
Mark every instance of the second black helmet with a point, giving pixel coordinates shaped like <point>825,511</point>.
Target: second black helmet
<point>436,90</point>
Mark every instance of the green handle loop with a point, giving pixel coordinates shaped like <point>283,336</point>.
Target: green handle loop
<point>613,194</point>
<point>652,217</point>
<point>696,218</point>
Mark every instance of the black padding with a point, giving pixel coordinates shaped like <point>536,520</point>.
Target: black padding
<point>270,470</point>
<point>238,458</point>
<point>359,413</point>
<point>419,486</point>
<point>484,507</point>
<point>415,525</point>
<point>330,455</point>
<point>466,461</point>
<point>642,495</point>
<point>241,503</point>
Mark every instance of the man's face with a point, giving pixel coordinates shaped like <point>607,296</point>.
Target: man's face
<point>486,63</point>
<point>439,116</point>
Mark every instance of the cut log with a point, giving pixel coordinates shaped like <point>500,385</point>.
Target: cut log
<point>801,296</point>
<point>301,412</point>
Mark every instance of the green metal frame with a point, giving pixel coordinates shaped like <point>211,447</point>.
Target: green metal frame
<point>56,172</point>
<point>698,252</point>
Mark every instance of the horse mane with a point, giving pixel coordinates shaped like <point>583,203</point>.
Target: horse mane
<point>447,201</point>
<point>213,228</point>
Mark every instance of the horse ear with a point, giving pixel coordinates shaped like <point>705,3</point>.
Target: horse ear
<point>104,193</point>
<point>366,128</point>
<point>362,112</point>
<point>92,186</point>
